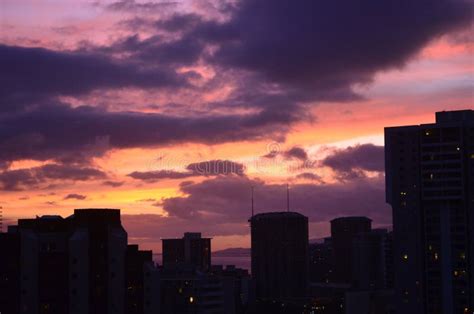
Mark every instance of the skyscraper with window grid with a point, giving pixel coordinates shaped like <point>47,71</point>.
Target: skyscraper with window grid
<point>429,184</point>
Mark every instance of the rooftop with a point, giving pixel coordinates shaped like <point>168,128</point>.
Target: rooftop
<point>277,215</point>
<point>456,115</point>
<point>351,218</point>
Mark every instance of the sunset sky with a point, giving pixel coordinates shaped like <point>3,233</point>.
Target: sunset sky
<point>173,110</point>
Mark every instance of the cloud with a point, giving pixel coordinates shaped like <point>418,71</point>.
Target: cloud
<point>157,49</point>
<point>296,152</point>
<point>131,6</point>
<point>204,168</point>
<point>153,176</point>
<point>227,197</point>
<point>147,200</point>
<point>29,178</point>
<point>309,176</point>
<point>317,50</point>
<point>114,184</point>
<point>61,132</point>
<point>279,57</point>
<point>353,160</point>
<point>74,196</point>
<point>216,167</point>
<point>333,44</point>
<point>36,74</point>
<point>221,205</point>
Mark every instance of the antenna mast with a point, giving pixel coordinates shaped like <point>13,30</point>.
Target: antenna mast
<point>252,200</point>
<point>287,197</point>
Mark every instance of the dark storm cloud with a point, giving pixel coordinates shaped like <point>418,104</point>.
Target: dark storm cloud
<point>114,184</point>
<point>321,47</point>
<point>153,176</point>
<point>19,179</point>
<point>282,56</point>
<point>221,205</point>
<point>351,161</point>
<point>64,133</point>
<point>331,44</point>
<point>157,49</point>
<point>217,167</point>
<point>204,168</point>
<point>228,197</point>
<point>74,196</point>
<point>30,75</point>
<point>296,152</point>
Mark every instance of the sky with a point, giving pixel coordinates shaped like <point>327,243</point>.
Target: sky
<point>173,111</point>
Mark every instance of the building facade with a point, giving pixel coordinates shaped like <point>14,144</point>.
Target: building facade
<point>343,233</point>
<point>279,254</point>
<point>73,265</point>
<point>190,251</point>
<point>429,184</point>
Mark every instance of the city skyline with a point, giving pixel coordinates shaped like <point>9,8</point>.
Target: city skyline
<point>136,104</point>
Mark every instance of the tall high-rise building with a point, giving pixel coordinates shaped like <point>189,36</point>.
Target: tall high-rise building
<point>97,248</point>
<point>72,265</point>
<point>321,262</point>
<point>430,186</point>
<point>190,251</point>
<point>9,273</point>
<point>343,233</point>
<point>279,254</point>
<point>44,267</point>
<point>372,260</point>
<point>141,282</point>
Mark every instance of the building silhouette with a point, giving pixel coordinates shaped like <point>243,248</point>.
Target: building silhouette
<point>9,273</point>
<point>429,184</point>
<point>372,260</point>
<point>321,261</point>
<point>141,282</point>
<point>66,265</point>
<point>343,233</point>
<point>97,247</point>
<point>82,264</point>
<point>279,254</point>
<point>192,251</point>
<point>189,285</point>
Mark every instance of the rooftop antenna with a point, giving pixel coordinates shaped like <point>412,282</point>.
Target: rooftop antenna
<point>287,197</point>
<point>252,199</point>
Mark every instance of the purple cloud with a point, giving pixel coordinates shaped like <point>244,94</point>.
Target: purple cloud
<point>114,184</point>
<point>350,162</point>
<point>296,152</point>
<point>20,179</point>
<point>64,133</point>
<point>204,168</point>
<point>221,205</point>
<point>74,196</point>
